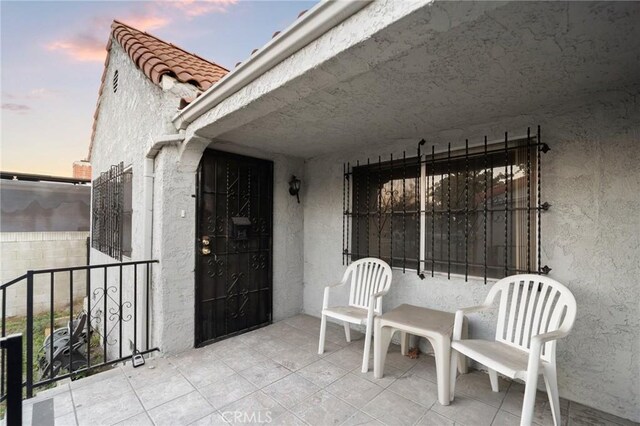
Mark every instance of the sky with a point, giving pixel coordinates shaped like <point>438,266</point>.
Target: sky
<point>52,55</point>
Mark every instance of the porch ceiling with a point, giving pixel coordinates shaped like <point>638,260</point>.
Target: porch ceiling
<point>511,59</point>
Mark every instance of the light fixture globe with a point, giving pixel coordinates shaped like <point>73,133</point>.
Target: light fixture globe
<point>294,187</point>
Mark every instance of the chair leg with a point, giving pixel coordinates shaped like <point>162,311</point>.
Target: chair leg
<point>380,348</point>
<point>493,376</point>
<point>367,348</point>
<point>551,383</point>
<point>528,404</point>
<point>323,329</point>
<point>347,332</point>
<point>453,366</point>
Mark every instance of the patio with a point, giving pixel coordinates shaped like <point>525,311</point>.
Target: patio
<point>274,375</point>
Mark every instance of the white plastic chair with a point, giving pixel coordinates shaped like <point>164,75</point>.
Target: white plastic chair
<point>534,312</point>
<point>370,280</point>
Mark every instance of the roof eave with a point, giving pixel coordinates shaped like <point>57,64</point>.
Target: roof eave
<point>310,26</point>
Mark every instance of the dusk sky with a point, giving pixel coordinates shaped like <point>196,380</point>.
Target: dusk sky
<point>52,56</point>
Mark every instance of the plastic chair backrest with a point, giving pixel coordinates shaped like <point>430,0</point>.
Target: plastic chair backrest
<point>368,276</point>
<point>531,305</point>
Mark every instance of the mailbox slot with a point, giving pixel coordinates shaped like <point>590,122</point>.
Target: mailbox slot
<point>240,228</point>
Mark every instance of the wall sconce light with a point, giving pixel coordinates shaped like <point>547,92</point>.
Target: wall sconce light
<point>294,187</point>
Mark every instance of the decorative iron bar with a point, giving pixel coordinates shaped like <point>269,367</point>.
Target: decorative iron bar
<point>404,210</point>
<point>102,332</point>
<point>12,347</point>
<point>344,210</point>
<point>418,213</point>
<point>460,200</point>
<point>108,211</point>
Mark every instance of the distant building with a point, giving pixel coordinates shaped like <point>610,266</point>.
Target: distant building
<point>82,169</point>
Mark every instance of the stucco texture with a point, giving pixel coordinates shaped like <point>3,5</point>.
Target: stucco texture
<point>374,85</point>
<point>121,138</point>
<point>590,237</point>
<point>127,122</point>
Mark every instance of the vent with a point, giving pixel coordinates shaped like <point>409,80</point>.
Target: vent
<point>115,81</point>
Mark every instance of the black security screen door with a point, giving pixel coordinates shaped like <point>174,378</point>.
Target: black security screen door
<point>233,245</point>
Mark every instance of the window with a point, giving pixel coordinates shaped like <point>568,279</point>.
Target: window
<point>476,212</point>
<point>472,212</point>
<point>112,212</point>
<point>385,208</point>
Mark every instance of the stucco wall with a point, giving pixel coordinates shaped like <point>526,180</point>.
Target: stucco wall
<point>128,120</point>
<point>591,239</point>
<point>590,236</point>
<point>174,237</point>
<point>23,251</point>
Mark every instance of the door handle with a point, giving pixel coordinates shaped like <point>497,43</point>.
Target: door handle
<point>205,249</point>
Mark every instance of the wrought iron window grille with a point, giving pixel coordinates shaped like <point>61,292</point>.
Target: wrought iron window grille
<point>475,211</point>
<point>112,212</point>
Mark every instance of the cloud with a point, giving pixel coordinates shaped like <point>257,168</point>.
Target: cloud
<point>40,93</point>
<point>193,8</point>
<point>89,45</point>
<point>19,108</point>
<point>146,23</point>
<point>83,47</point>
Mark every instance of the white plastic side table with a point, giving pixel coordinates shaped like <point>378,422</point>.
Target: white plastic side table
<point>436,326</point>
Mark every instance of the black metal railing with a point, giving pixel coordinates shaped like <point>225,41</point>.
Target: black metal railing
<point>11,350</point>
<point>76,320</point>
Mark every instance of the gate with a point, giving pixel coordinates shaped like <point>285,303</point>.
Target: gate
<point>233,245</point>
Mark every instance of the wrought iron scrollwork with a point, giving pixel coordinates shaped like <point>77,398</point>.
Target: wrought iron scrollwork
<point>258,261</point>
<point>115,314</point>
<point>216,267</point>
<point>259,225</point>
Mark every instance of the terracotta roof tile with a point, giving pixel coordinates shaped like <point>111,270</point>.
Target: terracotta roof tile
<point>157,58</point>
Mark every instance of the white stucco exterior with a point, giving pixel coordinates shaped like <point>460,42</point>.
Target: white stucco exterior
<point>590,239</point>
<point>174,238</point>
<point>121,138</point>
<point>391,74</point>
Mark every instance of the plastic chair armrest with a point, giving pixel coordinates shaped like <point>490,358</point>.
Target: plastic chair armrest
<point>372,303</point>
<point>474,309</point>
<point>535,347</point>
<point>325,300</point>
<point>460,313</point>
<point>546,337</point>
<point>379,294</point>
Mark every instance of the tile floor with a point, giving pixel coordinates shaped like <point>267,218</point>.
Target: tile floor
<point>273,375</point>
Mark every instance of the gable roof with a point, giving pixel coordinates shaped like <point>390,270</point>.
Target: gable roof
<point>156,58</point>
